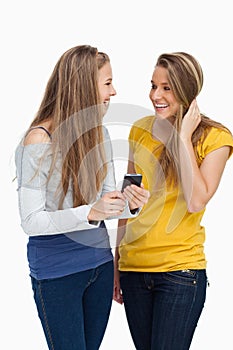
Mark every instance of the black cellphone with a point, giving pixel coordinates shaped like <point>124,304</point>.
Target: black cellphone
<point>131,179</point>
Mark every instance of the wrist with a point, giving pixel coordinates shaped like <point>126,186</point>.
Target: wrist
<point>184,139</point>
<point>91,216</point>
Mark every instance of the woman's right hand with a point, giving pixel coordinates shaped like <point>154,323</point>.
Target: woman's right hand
<point>111,204</point>
<point>117,294</point>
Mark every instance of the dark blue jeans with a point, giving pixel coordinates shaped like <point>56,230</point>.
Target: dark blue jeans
<point>74,309</point>
<point>163,309</point>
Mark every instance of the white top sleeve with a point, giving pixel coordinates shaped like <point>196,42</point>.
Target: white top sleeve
<point>36,220</point>
<point>37,200</point>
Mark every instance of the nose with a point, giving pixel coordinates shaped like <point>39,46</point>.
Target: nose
<point>113,92</point>
<point>156,94</point>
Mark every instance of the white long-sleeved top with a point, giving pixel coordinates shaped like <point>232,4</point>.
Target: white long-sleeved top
<point>38,203</point>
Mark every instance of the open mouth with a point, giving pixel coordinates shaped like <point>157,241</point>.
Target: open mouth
<point>161,105</point>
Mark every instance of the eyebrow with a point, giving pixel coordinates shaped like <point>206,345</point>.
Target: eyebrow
<point>161,83</point>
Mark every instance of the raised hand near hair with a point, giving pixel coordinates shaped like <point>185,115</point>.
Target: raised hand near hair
<point>136,196</point>
<point>111,204</point>
<point>190,121</point>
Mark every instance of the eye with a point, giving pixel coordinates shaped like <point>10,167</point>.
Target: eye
<point>167,88</point>
<point>153,86</point>
<point>108,83</point>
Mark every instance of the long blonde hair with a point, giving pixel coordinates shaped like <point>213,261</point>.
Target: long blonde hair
<point>71,102</point>
<point>185,78</point>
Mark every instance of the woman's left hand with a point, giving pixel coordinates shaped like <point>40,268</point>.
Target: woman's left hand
<point>136,196</point>
<point>190,121</point>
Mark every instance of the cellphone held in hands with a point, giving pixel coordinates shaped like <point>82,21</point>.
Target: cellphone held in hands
<point>131,179</point>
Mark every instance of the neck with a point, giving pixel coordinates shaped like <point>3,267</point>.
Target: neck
<point>162,129</point>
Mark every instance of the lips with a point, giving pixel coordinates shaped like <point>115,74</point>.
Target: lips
<point>161,105</point>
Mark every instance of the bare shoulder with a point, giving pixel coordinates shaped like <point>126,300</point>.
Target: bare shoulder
<point>35,136</point>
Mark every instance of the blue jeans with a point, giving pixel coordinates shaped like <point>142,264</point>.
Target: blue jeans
<point>74,310</point>
<point>163,308</point>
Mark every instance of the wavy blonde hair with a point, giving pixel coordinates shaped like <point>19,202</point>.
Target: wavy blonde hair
<point>185,78</point>
<point>71,102</point>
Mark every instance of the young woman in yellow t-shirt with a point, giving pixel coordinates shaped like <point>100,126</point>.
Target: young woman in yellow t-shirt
<point>160,265</point>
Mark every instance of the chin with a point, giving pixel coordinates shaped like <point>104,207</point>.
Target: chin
<point>161,115</point>
<point>104,110</point>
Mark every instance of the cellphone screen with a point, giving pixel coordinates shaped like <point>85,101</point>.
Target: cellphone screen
<point>132,179</point>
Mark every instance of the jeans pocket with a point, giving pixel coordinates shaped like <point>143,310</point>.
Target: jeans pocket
<point>185,277</point>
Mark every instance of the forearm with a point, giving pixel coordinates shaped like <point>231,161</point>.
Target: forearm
<point>199,183</point>
<point>120,235</point>
<point>116,258</point>
<point>117,294</point>
<point>36,220</point>
<point>194,187</point>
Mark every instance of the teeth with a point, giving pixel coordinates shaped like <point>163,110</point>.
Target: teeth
<point>160,105</point>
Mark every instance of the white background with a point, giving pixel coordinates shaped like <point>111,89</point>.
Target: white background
<point>133,33</point>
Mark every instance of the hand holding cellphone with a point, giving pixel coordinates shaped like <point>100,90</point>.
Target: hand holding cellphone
<point>131,179</point>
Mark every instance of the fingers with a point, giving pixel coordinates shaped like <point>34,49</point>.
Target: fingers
<point>137,196</point>
<point>113,203</point>
<point>194,111</point>
<point>190,121</point>
<point>117,295</point>
<point>116,205</point>
<point>113,194</point>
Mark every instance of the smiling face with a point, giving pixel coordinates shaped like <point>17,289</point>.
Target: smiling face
<point>162,96</point>
<point>106,89</point>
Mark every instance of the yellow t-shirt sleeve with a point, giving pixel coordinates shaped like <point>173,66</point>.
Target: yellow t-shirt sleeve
<point>215,139</point>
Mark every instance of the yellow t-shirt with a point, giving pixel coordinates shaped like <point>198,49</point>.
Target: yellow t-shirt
<point>164,236</point>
